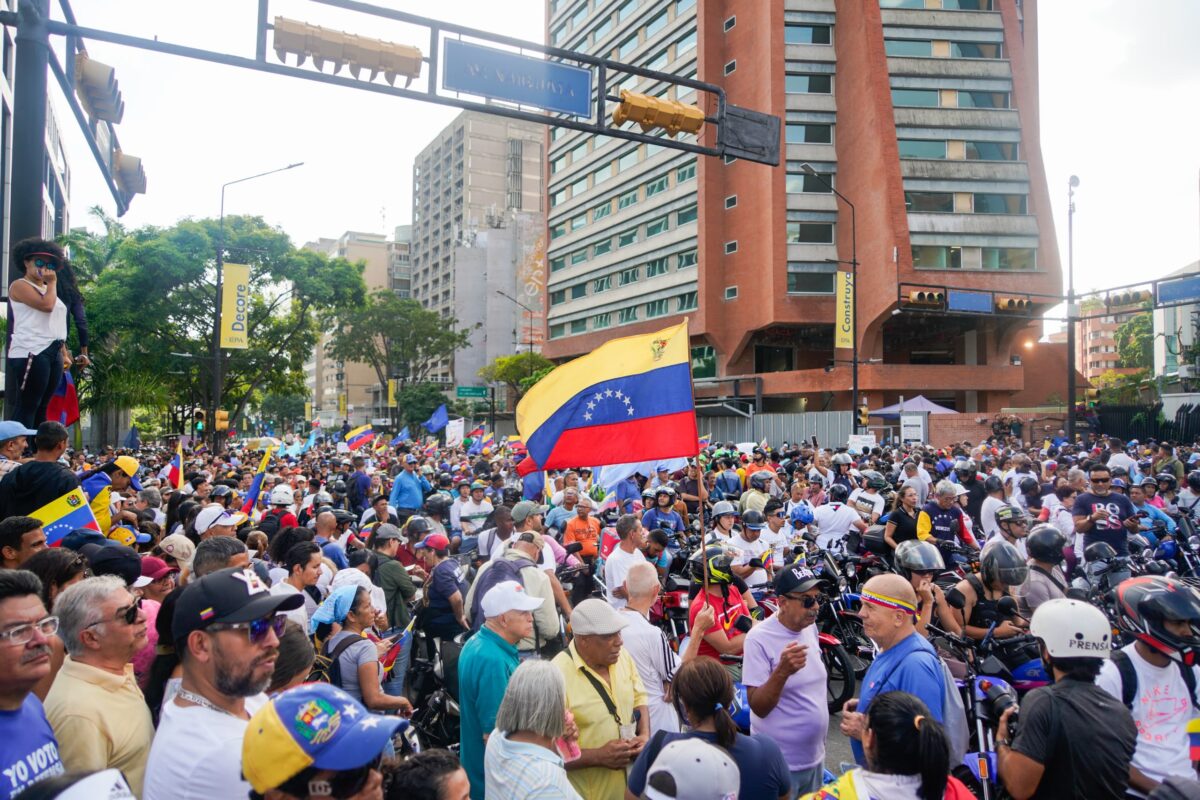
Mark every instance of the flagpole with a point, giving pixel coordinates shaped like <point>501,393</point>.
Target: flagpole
<point>699,473</point>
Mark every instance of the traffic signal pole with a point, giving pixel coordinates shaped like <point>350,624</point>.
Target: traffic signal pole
<point>29,120</point>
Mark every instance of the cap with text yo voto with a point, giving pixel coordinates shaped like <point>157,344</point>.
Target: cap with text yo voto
<point>312,725</point>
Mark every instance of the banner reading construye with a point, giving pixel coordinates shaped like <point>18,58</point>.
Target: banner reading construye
<point>844,323</point>
<point>235,307</point>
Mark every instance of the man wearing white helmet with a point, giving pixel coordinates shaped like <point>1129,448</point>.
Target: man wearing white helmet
<point>1075,740</point>
<point>282,506</point>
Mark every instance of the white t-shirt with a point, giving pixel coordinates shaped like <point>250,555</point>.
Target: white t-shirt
<point>297,615</point>
<point>471,516</point>
<point>1122,460</point>
<point>197,753</point>
<point>616,567</point>
<point>748,550</point>
<point>498,546</point>
<point>1161,710</point>
<point>987,515</point>
<point>656,663</point>
<point>869,506</point>
<point>834,520</point>
<point>779,543</point>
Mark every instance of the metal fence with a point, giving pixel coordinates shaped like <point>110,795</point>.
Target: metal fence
<point>1148,422</point>
<point>832,428</point>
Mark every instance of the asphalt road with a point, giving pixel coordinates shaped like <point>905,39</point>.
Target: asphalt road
<point>837,746</point>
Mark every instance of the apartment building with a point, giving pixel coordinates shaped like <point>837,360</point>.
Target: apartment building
<point>1096,338</point>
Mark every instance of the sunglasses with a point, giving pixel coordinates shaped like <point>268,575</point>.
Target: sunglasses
<point>1100,480</point>
<point>806,600</point>
<point>345,783</point>
<point>127,615</point>
<point>257,629</point>
<point>45,263</point>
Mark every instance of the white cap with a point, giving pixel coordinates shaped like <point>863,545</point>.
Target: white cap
<point>109,784</point>
<point>216,515</point>
<point>508,596</point>
<point>692,769</point>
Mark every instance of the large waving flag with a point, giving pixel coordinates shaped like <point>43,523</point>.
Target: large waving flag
<point>175,468</point>
<point>64,515</point>
<point>256,484</point>
<point>401,437</point>
<point>437,420</point>
<point>360,436</point>
<point>309,442</point>
<point>64,403</point>
<point>630,395</point>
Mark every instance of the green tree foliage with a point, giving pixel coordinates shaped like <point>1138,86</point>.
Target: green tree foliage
<point>519,371</point>
<point>1135,341</point>
<point>1116,388</point>
<point>397,337</point>
<point>284,410</point>
<point>416,401</point>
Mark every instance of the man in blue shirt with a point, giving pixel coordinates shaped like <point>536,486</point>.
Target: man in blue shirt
<point>409,489</point>
<point>906,661</point>
<point>1148,515</point>
<point>487,661</point>
<point>663,515</point>
<point>359,486</point>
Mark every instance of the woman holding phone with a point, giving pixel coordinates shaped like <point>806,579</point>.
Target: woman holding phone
<point>38,304</point>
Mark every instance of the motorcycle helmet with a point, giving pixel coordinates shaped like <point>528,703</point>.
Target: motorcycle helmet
<point>647,497</point>
<point>343,517</point>
<point>478,485</point>
<point>1028,485</point>
<point>801,515</point>
<point>1144,603</point>
<point>719,566</point>
<point>754,519</point>
<point>760,480</point>
<point>1099,551</point>
<point>1002,563</point>
<point>1169,479</point>
<point>841,458</point>
<point>917,556</point>
<point>993,484</point>
<point>282,495</point>
<point>667,490</point>
<point>1193,480</point>
<point>338,487</point>
<point>838,493</point>
<point>1167,549</point>
<point>417,527</point>
<point>1145,463</point>
<point>1045,543</point>
<point>437,504</point>
<point>878,483</point>
<point>723,508</point>
<point>1072,629</point>
<point>323,498</point>
<point>964,469</point>
<point>1119,472</point>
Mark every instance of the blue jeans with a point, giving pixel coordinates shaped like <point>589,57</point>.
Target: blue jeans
<point>807,780</point>
<point>394,685</point>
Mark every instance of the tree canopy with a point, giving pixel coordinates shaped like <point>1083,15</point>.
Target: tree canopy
<point>1135,341</point>
<point>519,371</point>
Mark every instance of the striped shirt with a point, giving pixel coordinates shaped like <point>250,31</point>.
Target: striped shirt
<point>519,770</point>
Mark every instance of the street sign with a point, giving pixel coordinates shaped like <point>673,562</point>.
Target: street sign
<point>470,391</point>
<point>504,75</point>
<point>1180,290</point>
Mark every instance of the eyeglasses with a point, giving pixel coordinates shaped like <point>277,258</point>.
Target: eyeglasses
<point>1100,480</point>
<point>806,600</point>
<point>127,615</point>
<point>23,634</point>
<point>257,629</point>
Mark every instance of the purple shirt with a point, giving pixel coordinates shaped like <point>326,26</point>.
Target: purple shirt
<point>801,718</point>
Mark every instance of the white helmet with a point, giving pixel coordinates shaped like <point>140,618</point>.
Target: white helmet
<point>1072,629</point>
<point>282,495</point>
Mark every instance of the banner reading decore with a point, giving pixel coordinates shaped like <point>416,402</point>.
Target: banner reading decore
<point>844,325</point>
<point>235,306</point>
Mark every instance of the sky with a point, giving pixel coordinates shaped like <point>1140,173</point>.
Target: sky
<point>1119,88</point>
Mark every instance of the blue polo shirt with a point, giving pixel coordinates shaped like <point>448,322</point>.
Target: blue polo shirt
<point>910,666</point>
<point>484,667</point>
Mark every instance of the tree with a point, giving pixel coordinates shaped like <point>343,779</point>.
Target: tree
<point>283,410</point>
<point>1135,341</point>
<point>416,402</point>
<point>1116,388</point>
<point>397,337</point>
<point>519,371</point>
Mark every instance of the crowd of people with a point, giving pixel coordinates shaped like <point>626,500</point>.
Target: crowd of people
<point>222,631</point>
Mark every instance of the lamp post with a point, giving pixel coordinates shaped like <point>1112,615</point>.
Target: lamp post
<point>216,342</point>
<point>808,170</point>
<point>1071,184</point>
<point>512,299</point>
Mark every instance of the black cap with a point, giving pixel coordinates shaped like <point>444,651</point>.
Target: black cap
<point>229,595</point>
<point>796,578</point>
<point>114,559</point>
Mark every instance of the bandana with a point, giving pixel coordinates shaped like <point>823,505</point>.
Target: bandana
<point>334,608</point>
<point>884,601</point>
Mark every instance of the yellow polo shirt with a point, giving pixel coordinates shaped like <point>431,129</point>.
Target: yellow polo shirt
<point>596,726</point>
<point>100,720</point>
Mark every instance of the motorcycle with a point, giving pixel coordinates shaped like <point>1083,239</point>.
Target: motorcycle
<point>1012,655</point>
<point>433,689</point>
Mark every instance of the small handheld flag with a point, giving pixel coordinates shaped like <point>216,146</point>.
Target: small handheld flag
<point>60,517</point>
<point>256,484</point>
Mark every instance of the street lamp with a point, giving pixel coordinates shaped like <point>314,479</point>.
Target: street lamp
<point>216,343</point>
<point>1071,313</point>
<point>512,299</point>
<point>808,170</point>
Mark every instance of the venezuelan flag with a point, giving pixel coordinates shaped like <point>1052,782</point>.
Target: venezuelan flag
<point>1193,732</point>
<point>175,468</point>
<point>360,436</point>
<point>628,396</point>
<point>64,515</point>
<point>256,484</point>
<point>706,440</point>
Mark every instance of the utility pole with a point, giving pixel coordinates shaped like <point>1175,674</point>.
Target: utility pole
<point>29,119</point>
<point>1071,313</point>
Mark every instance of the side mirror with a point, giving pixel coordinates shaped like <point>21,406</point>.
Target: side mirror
<point>573,548</point>
<point>1007,606</point>
<point>1077,593</point>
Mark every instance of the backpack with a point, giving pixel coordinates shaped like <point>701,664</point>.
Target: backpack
<point>326,667</point>
<point>1129,681</point>
<point>502,569</point>
<point>269,524</point>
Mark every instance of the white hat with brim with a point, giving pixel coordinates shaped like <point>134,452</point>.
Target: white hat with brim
<point>508,596</point>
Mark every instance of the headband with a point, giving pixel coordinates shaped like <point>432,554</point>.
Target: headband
<point>884,601</point>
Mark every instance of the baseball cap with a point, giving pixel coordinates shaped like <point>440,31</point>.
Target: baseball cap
<point>230,595</point>
<point>76,539</point>
<point>436,541</point>
<point>387,531</point>
<point>508,596</point>
<point>178,547</point>
<point>796,578</point>
<point>130,466</point>
<point>11,429</point>
<point>410,459</point>
<point>692,769</point>
<point>115,559</point>
<point>152,569</point>
<point>526,509</point>
<point>109,784</point>
<point>217,515</point>
<point>595,616</point>
<point>312,725</point>
<point>127,536</point>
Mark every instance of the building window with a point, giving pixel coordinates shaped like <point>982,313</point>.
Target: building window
<point>601,321</point>
<point>685,215</point>
<point>991,151</point>
<point>977,50</point>
<point>807,34</point>
<point>730,67</point>
<point>729,23</point>
<point>627,238</point>
<point>685,173</point>
<point>628,8</point>
<point>686,302</point>
<point>557,164</point>
<point>579,152</point>
<point>557,331</point>
<point>627,315</point>
<point>685,260</point>
<point>628,160</point>
<point>656,308</point>
<point>808,84</point>
<point>602,174</point>
<point>809,133</point>
<point>968,99</point>
<point>603,29</point>
<point>558,296</point>
<point>729,159</point>
<point>579,256</point>
<point>558,230</point>
<point>600,248</point>
<point>967,5</point>
<point>908,48</point>
<point>579,325</point>
<point>915,98</point>
<point>731,247</point>
<point>627,199</point>
<point>656,267</point>
<point>579,187</point>
<point>902,3</point>
<point>686,43</point>
<point>656,226</point>
<point>657,185</point>
<point>627,276</point>
<point>1017,259</point>
<point>731,201</point>
<point>557,263</point>
<point>731,293</point>
<point>797,183</point>
<point>810,277</point>
<point>936,257</point>
<point>704,362</point>
<point>656,24</point>
<point>578,221</point>
<point>921,148</point>
<point>927,202</point>
<point>578,290</point>
<point>602,284</point>
<point>1000,203</point>
<point>627,47</point>
<point>600,212</point>
<point>810,233</point>
<point>558,197</point>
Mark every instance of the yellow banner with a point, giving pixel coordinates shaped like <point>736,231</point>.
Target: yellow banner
<point>391,392</point>
<point>308,411</point>
<point>235,307</point>
<point>844,324</point>
<point>342,405</point>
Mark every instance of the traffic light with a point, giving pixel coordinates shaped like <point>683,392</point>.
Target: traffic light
<point>1013,305</point>
<point>864,415</point>
<point>658,112</point>
<point>346,49</point>
<point>927,297</point>
<point>221,420</point>
<point>198,417</point>
<point>1127,298</point>
<point>128,173</point>
<point>96,85</point>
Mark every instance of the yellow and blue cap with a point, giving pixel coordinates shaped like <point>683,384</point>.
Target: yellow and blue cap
<point>312,725</point>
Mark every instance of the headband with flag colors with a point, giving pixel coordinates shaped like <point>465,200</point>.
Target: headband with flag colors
<point>632,394</point>
<point>256,484</point>
<point>882,600</point>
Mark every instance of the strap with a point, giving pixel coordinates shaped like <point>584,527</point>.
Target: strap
<point>1189,680</point>
<point>1128,675</point>
<point>656,744</point>
<point>608,703</point>
<point>1049,575</point>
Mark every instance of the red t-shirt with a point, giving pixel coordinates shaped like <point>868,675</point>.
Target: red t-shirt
<point>727,613</point>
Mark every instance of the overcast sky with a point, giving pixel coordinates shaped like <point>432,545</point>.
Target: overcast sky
<point>1119,90</point>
